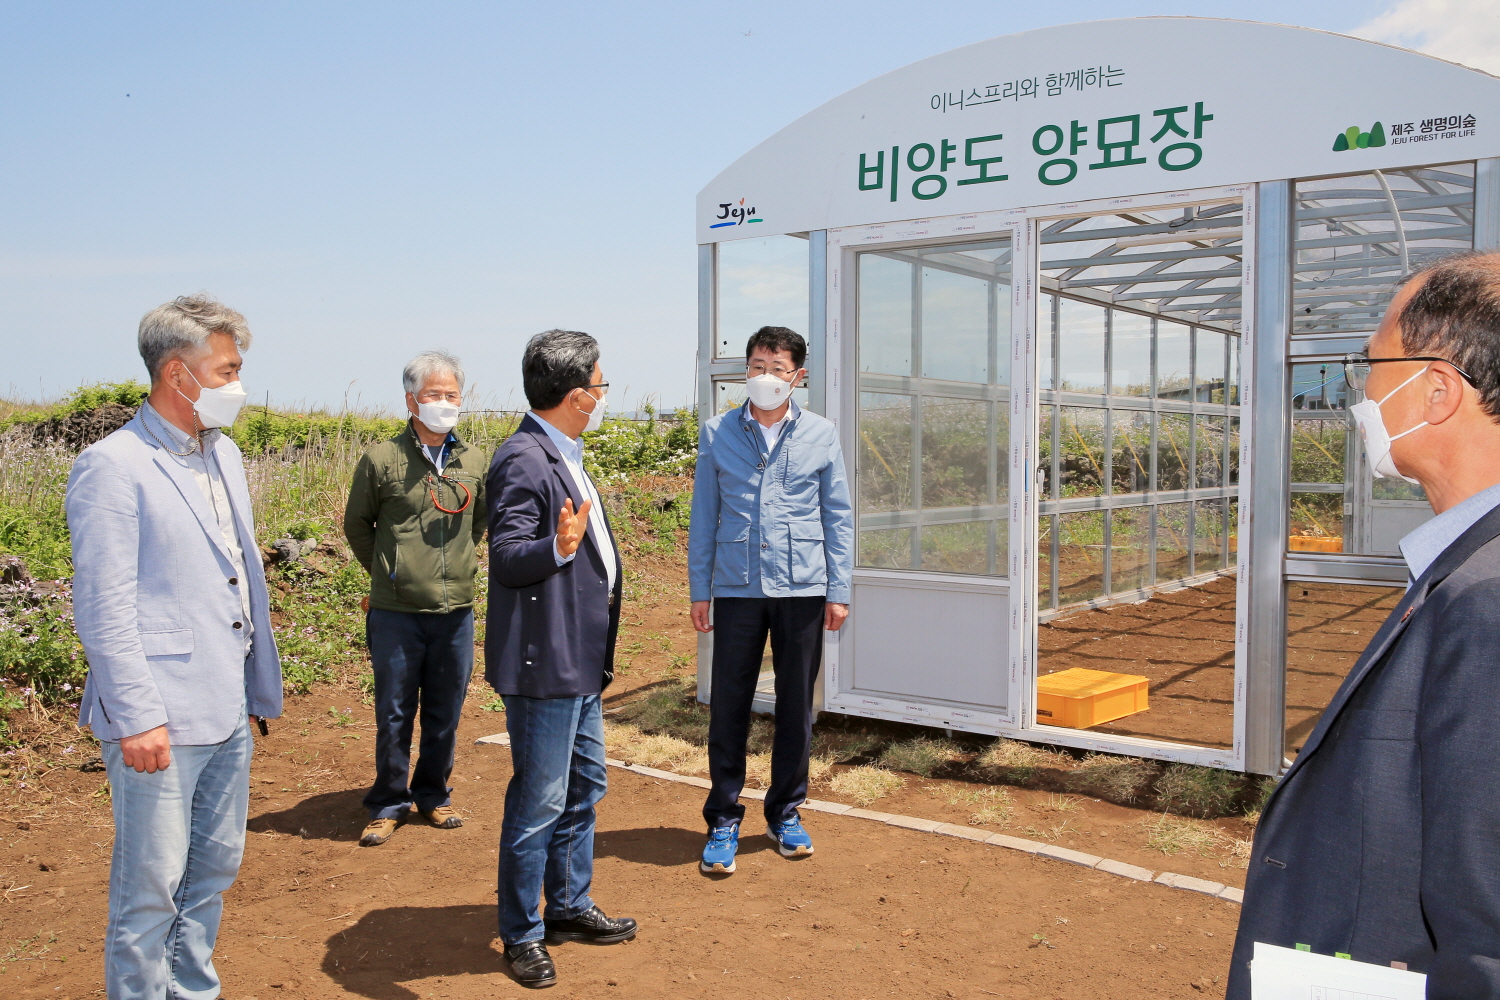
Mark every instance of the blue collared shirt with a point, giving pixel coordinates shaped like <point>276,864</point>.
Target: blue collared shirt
<point>571,450</point>
<point>1421,547</point>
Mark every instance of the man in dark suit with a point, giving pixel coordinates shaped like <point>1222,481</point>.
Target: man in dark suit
<point>554,611</point>
<point>1382,842</point>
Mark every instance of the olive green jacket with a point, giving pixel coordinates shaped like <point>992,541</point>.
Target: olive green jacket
<point>420,559</point>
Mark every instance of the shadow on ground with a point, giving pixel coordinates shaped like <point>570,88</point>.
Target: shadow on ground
<point>668,847</point>
<point>326,816</point>
<point>403,943</point>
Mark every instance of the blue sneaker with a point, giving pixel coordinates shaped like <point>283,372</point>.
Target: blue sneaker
<point>718,853</point>
<point>791,839</point>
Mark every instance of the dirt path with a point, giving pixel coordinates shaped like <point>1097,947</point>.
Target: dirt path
<point>879,911</point>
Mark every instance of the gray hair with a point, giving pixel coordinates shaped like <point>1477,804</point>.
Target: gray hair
<point>181,327</point>
<point>427,364</point>
<point>555,363</point>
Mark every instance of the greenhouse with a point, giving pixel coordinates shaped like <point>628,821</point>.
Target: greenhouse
<point>1082,333</point>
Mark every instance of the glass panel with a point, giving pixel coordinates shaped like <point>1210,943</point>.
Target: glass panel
<point>761,283</point>
<point>1046,487</point>
<point>1318,450</point>
<point>1081,346</point>
<point>1080,556</point>
<point>1046,346</point>
<point>1172,451</point>
<point>1130,452</point>
<point>1209,451</point>
<point>1208,536</point>
<point>885,434</point>
<point>1081,444</point>
<point>1328,627</point>
<point>1351,248</point>
<point>1002,293</point>
<point>1174,360</point>
<point>1234,371</point>
<point>1234,451</point>
<point>1044,562</point>
<point>1397,489</point>
<point>1129,548</point>
<point>956,548</point>
<point>1130,363</point>
<point>1171,541</point>
<point>1209,378</point>
<point>884,315</point>
<point>1317,522</point>
<point>888,548</point>
<point>955,326</point>
<point>955,452</point>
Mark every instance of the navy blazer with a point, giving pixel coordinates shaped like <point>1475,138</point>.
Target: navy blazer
<point>1383,839</point>
<point>550,630</point>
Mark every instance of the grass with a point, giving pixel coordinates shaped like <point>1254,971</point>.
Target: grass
<point>1020,763</point>
<point>866,783</point>
<point>1197,791</point>
<point>920,755</point>
<point>1175,835</point>
<point>1118,779</point>
<point>991,806</point>
<point>659,750</point>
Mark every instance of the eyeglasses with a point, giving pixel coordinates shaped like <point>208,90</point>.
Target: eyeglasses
<point>757,369</point>
<point>1357,368</point>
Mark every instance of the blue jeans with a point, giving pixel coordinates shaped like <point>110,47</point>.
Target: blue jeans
<point>547,836</point>
<point>179,837</point>
<point>422,664</point>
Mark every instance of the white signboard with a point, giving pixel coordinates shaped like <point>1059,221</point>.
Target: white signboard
<point>1099,110</point>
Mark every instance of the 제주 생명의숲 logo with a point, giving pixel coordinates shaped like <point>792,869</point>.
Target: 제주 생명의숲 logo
<point>1442,127</point>
<point>731,214</point>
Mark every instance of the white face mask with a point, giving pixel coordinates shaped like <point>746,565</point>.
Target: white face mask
<point>767,391</point>
<point>1366,414</point>
<point>216,407</point>
<point>440,418</point>
<point>596,418</point>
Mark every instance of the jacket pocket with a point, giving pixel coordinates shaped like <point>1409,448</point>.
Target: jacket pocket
<point>732,555</point>
<point>176,642</point>
<point>808,563</point>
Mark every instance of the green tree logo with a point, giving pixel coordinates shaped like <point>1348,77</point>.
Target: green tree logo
<point>1353,138</point>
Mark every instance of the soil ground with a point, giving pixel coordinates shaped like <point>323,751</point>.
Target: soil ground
<point>1183,643</point>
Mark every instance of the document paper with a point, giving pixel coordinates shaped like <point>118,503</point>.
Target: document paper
<point>1286,974</point>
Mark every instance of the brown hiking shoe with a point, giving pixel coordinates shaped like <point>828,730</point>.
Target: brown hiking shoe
<point>443,817</point>
<point>377,833</point>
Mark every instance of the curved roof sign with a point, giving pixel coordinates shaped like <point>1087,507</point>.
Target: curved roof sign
<point>1098,110</point>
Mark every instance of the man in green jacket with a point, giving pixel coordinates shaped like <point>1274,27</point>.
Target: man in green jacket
<point>411,521</point>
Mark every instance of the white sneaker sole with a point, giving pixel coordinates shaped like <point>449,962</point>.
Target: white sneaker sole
<point>788,852</point>
<point>716,868</point>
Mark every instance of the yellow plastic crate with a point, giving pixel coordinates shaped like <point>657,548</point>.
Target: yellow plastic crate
<point>1078,698</point>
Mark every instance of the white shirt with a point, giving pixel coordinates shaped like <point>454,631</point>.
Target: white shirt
<point>572,455</point>
<point>772,433</point>
<point>210,480</point>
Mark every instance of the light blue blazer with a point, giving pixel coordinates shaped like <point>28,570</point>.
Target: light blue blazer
<point>155,599</point>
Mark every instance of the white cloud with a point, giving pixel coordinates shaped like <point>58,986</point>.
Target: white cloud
<point>1463,31</point>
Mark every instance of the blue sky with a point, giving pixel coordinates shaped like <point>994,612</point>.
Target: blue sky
<point>368,180</point>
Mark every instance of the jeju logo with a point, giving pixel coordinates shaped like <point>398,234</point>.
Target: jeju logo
<point>1353,138</point>
<point>734,215</point>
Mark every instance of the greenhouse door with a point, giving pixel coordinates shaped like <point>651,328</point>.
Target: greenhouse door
<point>929,401</point>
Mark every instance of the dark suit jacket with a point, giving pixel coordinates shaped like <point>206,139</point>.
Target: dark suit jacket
<point>550,630</point>
<point>1383,839</point>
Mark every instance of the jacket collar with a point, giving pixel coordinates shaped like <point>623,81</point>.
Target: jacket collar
<point>793,412</point>
<point>1480,534</point>
<point>453,443</point>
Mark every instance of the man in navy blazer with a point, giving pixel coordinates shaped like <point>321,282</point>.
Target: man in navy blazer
<point>554,611</point>
<point>1382,841</point>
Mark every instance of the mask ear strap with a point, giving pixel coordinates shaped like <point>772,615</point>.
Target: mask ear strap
<point>1403,385</point>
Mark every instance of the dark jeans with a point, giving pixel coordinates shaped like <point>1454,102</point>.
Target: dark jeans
<point>419,660</point>
<point>741,624</point>
<point>547,834</point>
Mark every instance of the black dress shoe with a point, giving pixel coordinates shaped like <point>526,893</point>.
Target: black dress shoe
<point>531,965</point>
<point>591,927</point>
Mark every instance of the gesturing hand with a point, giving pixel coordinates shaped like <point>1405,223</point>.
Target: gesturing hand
<point>571,526</point>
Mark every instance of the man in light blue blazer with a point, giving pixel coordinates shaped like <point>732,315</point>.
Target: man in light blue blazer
<point>170,602</point>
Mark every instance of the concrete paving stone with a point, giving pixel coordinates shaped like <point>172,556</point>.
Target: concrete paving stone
<point>914,823</point>
<point>1129,871</point>
<point>965,832</point>
<point>816,805</point>
<point>1069,855</point>
<point>1232,894</point>
<point>651,772</point>
<point>611,762</point>
<point>1189,883</point>
<point>1015,843</point>
<point>753,793</point>
<point>879,817</point>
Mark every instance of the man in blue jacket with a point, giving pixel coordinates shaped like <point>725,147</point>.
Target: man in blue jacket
<point>554,611</point>
<point>771,547</point>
